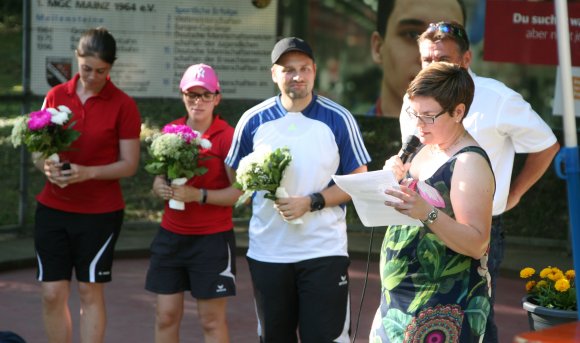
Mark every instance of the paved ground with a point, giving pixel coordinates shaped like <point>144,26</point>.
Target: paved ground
<point>131,308</point>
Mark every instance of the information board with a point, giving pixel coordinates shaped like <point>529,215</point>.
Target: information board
<point>157,41</point>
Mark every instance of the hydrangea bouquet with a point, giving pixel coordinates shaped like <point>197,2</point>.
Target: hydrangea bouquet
<point>553,289</point>
<point>175,153</point>
<point>263,170</point>
<point>44,132</point>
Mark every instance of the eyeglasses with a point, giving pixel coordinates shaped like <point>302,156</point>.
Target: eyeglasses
<point>205,97</point>
<point>448,28</point>
<point>424,119</point>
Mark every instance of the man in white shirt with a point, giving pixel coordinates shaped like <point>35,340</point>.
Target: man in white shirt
<point>503,123</point>
<point>300,270</point>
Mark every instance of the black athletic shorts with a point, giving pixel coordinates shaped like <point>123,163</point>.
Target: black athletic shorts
<point>310,296</point>
<point>205,265</point>
<point>66,240</point>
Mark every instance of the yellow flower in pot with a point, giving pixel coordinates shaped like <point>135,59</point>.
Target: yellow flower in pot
<point>551,298</point>
<point>554,288</point>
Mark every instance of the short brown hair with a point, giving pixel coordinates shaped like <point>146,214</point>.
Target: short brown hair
<point>449,84</point>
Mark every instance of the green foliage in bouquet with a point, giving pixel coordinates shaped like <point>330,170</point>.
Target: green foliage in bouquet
<point>44,131</point>
<point>175,152</point>
<point>262,170</point>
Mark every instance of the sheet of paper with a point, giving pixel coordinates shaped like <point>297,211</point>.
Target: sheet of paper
<point>368,195</point>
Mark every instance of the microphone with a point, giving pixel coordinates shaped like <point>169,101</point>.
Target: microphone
<point>409,147</point>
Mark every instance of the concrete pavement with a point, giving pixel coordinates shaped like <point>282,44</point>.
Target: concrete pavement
<point>131,309</point>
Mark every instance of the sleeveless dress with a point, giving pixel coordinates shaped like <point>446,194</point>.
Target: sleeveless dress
<point>430,293</point>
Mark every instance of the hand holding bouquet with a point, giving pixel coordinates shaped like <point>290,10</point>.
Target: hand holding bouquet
<point>44,132</point>
<point>263,170</point>
<point>175,154</point>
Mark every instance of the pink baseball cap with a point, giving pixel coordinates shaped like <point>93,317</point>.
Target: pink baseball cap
<point>200,75</point>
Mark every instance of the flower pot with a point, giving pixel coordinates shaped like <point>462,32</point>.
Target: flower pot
<point>540,317</point>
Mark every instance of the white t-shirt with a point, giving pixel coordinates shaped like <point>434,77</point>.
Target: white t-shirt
<point>324,140</point>
<point>503,123</point>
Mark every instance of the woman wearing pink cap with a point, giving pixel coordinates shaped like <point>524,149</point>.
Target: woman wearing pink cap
<point>194,248</point>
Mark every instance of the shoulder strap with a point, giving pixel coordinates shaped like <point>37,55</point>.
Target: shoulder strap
<point>476,149</point>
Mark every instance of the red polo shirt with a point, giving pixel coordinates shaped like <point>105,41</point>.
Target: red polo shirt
<point>103,120</point>
<point>205,219</point>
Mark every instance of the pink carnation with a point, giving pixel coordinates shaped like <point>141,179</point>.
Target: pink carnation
<point>39,120</point>
<point>183,131</point>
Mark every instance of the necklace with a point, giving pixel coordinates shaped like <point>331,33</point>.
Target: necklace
<point>436,150</point>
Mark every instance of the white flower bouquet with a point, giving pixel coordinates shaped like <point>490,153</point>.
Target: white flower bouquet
<point>263,170</point>
<point>175,153</point>
<point>44,132</point>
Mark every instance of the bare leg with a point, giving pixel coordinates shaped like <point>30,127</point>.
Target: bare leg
<point>93,318</point>
<point>168,317</point>
<point>212,313</point>
<point>55,311</point>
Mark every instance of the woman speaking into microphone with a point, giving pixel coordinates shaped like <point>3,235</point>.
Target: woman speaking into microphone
<point>435,283</point>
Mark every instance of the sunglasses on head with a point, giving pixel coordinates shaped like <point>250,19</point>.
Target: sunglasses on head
<point>448,28</point>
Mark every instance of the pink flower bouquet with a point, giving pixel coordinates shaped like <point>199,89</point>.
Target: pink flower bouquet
<point>44,132</point>
<point>175,154</point>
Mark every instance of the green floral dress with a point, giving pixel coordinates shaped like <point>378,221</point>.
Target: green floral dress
<point>429,293</point>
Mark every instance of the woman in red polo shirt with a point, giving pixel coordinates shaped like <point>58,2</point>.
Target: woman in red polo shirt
<point>194,248</point>
<point>80,209</point>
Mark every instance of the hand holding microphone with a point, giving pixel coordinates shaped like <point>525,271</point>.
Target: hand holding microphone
<point>409,147</point>
<point>397,164</point>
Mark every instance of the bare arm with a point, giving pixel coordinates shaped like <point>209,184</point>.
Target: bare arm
<point>534,167</point>
<point>334,196</point>
<point>472,192</point>
<point>125,166</point>
<point>472,189</point>
<point>220,197</point>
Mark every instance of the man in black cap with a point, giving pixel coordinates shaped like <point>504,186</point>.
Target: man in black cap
<point>300,270</point>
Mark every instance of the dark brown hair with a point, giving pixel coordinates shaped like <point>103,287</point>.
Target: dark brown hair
<point>449,84</point>
<point>99,43</point>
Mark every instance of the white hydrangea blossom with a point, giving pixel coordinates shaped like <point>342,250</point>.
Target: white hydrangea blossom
<point>167,145</point>
<point>249,165</point>
<point>18,131</point>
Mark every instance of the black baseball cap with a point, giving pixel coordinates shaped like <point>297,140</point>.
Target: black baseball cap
<point>288,44</point>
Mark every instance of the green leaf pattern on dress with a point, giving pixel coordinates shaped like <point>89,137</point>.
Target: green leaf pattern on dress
<point>421,275</point>
<point>477,312</point>
<point>395,322</point>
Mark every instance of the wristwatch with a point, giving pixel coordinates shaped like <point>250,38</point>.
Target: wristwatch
<point>203,196</point>
<point>317,202</point>
<point>431,217</point>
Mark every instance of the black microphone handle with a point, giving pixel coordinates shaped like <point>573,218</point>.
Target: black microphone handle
<point>404,156</point>
<point>409,147</point>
